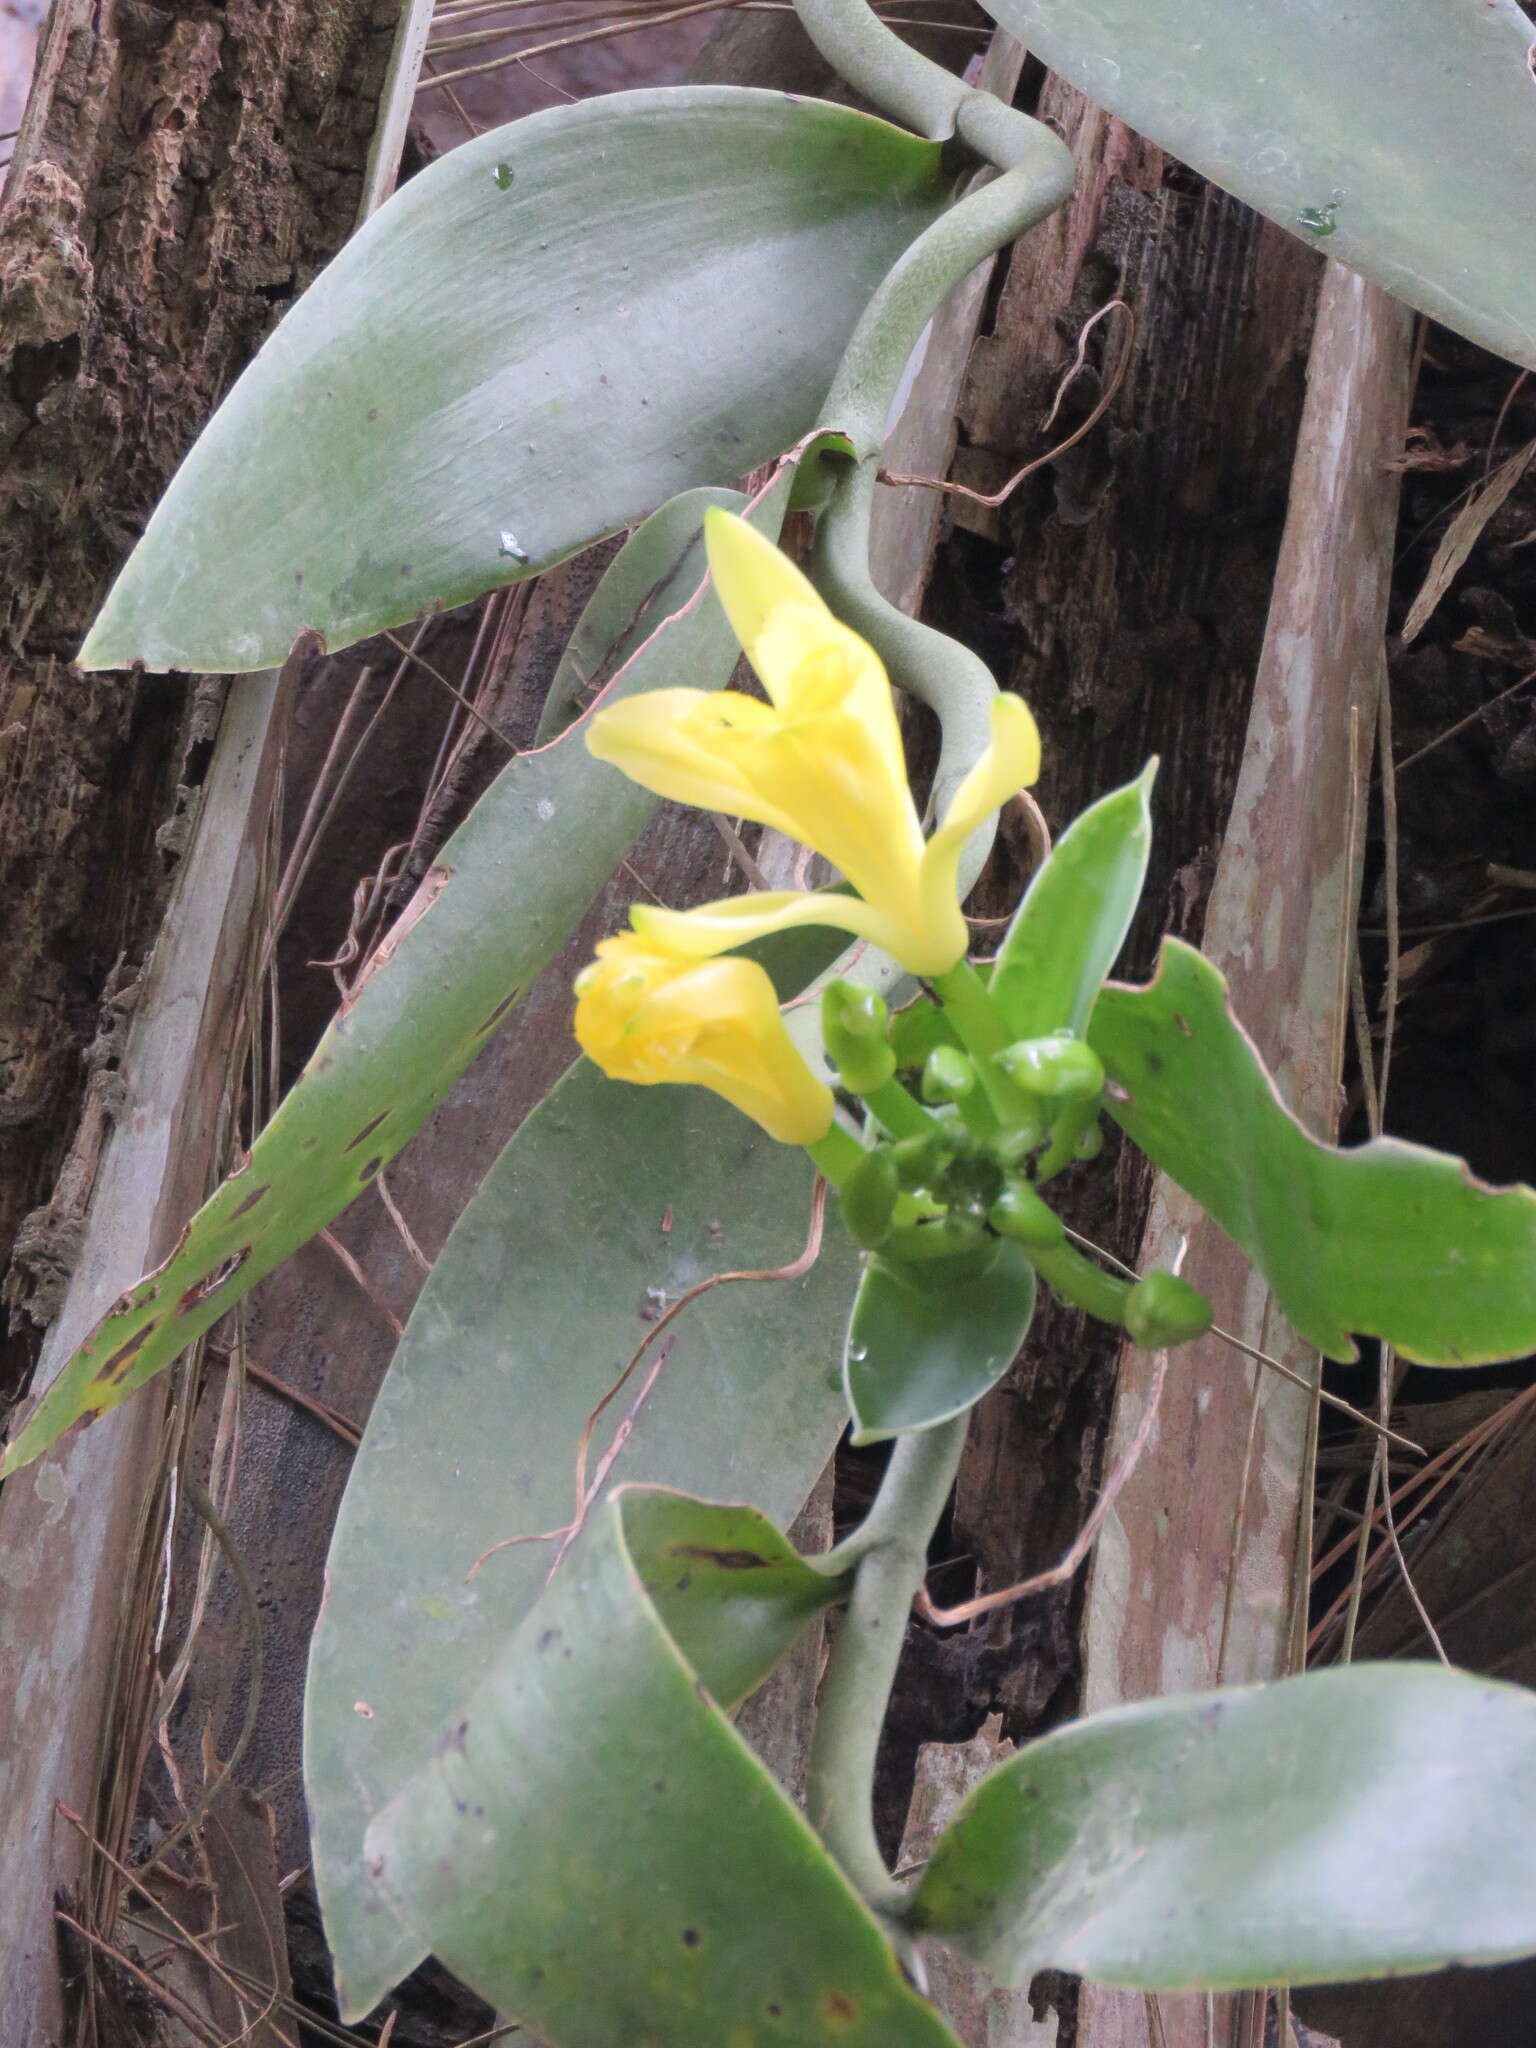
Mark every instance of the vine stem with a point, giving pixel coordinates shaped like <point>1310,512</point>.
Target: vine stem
<point>889,1557</point>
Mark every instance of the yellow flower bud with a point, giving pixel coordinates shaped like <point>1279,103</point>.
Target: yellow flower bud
<point>821,762</point>
<point>645,1015</point>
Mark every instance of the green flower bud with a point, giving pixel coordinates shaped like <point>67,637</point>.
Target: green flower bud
<point>1061,1069</point>
<point>1162,1309</point>
<point>868,1198</point>
<point>948,1076</point>
<point>853,1027</point>
<point>1019,1213</point>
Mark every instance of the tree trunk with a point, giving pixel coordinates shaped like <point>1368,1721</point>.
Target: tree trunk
<point>180,175</point>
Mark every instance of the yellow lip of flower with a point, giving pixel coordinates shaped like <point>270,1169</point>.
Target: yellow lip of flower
<point>644,1015</point>
<point>821,762</point>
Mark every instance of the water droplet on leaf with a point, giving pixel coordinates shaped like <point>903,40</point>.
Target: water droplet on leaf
<point>503,177</point>
<point>508,545</point>
<point>1320,221</point>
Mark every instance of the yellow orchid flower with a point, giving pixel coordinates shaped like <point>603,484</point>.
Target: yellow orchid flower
<point>821,762</point>
<point>644,1015</point>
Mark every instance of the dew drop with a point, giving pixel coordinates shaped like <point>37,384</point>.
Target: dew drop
<point>502,176</point>
<point>508,545</point>
<point>1320,221</point>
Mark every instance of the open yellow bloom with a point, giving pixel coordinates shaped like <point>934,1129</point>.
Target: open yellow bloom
<point>644,1015</point>
<point>821,762</point>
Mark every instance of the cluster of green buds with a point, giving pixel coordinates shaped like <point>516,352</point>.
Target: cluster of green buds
<point>957,1145</point>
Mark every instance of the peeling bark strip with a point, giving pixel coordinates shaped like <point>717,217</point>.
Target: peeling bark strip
<point>180,175</point>
<point>179,178</point>
<point>1192,1584</point>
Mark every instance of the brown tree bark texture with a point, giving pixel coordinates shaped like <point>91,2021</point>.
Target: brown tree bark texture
<point>1194,1581</point>
<point>180,176</point>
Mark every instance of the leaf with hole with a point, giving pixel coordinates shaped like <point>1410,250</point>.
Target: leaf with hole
<point>1396,135</point>
<point>505,894</point>
<point>594,1848</point>
<point>1359,1822</point>
<point>663,283</point>
<point>1068,930</point>
<point>928,1338</point>
<point>1386,1240</point>
<point>607,1205</point>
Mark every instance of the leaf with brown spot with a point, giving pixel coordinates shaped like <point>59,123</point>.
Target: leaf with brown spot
<point>699,1912</point>
<point>473,1436</point>
<point>1385,1240</point>
<point>513,883</point>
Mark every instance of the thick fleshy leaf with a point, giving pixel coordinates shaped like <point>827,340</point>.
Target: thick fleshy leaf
<point>928,1338</point>
<point>546,334</point>
<point>507,891</point>
<point>1395,134</point>
<point>608,1204</point>
<point>596,1850</point>
<point>1351,1823</point>
<point>1386,1240</point>
<point>1076,912</point>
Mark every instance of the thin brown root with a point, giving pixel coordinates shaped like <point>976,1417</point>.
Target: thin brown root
<point>992,499</point>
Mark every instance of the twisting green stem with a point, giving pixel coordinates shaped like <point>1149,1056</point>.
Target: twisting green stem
<point>877,63</point>
<point>912,291</point>
<point>954,683</point>
<point>889,1554</point>
<point>1037,177</point>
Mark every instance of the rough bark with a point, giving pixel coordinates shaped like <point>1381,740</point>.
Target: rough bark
<point>181,173</point>
<point>1194,1582</point>
<point>179,176</point>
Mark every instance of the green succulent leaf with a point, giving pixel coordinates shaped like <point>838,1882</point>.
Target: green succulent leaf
<point>608,1204</point>
<point>1359,1822</point>
<point>1070,927</point>
<point>927,1339</point>
<point>1396,135</point>
<point>507,891</point>
<point>593,1847</point>
<point>1386,1240</point>
<point>541,337</point>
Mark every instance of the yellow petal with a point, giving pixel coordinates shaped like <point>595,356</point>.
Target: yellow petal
<point>676,742</point>
<point>644,1016</point>
<point>753,578</point>
<point>733,921</point>
<point>1010,763</point>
